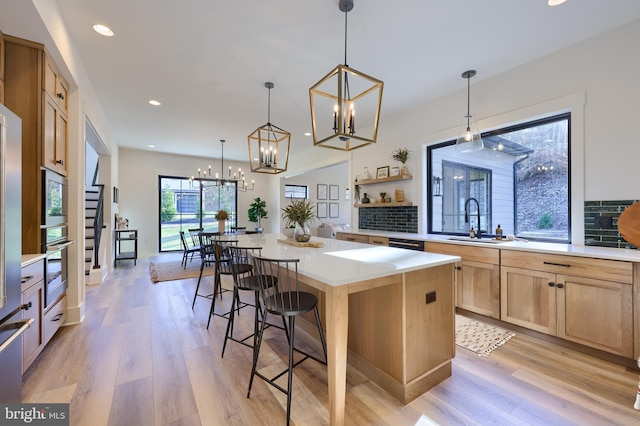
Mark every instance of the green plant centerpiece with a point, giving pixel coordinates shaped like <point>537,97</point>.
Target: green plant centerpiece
<point>257,212</point>
<point>301,213</point>
<point>402,155</point>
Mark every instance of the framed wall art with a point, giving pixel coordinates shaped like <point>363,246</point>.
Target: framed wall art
<point>334,210</point>
<point>383,172</point>
<point>334,192</point>
<point>395,171</point>
<point>322,210</point>
<point>322,191</point>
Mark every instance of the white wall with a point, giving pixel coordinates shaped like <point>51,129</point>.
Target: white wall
<point>139,172</point>
<point>599,74</point>
<point>337,174</point>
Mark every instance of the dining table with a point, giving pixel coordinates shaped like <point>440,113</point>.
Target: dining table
<point>339,269</point>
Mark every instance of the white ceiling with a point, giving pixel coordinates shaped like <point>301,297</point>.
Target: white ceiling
<point>207,60</point>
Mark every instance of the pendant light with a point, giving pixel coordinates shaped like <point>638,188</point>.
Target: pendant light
<point>269,145</point>
<point>336,99</point>
<point>231,181</point>
<point>469,139</point>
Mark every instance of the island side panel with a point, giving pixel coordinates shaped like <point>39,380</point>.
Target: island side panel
<point>430,327</point>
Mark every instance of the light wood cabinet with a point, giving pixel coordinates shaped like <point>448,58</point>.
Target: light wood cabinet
<point>477,277</point>
<point>32,292</point>
<point>378,241</point>
<point>44,125</point>
<point>357,238</point>
<point>584,300</point>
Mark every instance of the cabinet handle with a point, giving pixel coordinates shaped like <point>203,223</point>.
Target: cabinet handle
<point>551,284</point>
<point>61,162</point>
<point>458,268</point>
<point>61,96</point>
<point>557,264</point>
<point>57,317</point>
<point>560,285</point>
<point>351,239</point>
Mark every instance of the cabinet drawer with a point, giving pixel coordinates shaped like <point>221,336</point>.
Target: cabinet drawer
<point>474,254</point>
<point>610,270</point>
<point>54,318</point>
<point>31,274</point>
<point>32,342</point>
<point>379,241</point>
<point>352,237</point>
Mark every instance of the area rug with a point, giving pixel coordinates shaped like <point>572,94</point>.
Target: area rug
<point>173,270</point>
<point>478,337</point>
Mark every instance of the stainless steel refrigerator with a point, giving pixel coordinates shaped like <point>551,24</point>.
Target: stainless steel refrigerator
<point>12,324</point>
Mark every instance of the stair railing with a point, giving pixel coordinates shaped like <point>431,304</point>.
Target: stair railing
<point>98,223</point>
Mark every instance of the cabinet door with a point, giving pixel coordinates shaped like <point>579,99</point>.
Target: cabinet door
<point>528,299</point>
<point>478,288</point>
<point>379,241</point>
<point>61,143</point>
<point>32,342</point>
<point>596,313</point>
<point>54,136</point>
<point>352,237</point>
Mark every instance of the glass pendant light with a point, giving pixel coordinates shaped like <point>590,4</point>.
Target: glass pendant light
<point>469,139</point>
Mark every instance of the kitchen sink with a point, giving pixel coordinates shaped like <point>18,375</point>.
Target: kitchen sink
<point>476,240</point>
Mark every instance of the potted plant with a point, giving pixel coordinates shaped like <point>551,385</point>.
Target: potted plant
<point>221,216</point>
<point>299,213</point>
<point>257,212</point>
<point>401,155</point>
<point>383,197</point>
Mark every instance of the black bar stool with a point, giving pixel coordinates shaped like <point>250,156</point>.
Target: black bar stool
<point>283,299</point>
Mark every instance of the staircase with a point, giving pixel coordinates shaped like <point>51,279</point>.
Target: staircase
<point>91,198</point>
<point>93,224</point>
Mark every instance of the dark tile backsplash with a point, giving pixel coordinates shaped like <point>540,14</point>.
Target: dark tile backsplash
<point>394,219</point>
<point>599,216</point>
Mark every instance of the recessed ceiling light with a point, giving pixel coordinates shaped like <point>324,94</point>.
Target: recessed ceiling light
<point>555,2</point>
<point>151,146</point>
<point>103,30</point>
<point>307,134</point>
<point>154,102</point>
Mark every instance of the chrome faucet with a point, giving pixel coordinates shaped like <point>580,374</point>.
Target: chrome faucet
<point>466,214</point>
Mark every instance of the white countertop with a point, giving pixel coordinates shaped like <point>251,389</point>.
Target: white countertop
<point>344,262</point>
<point>28,259</point>
<point>629,255</point>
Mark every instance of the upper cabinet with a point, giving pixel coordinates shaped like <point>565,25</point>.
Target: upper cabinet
<point>36,92</point>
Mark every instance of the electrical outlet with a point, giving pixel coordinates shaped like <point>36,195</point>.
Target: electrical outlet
<point>431,297</point>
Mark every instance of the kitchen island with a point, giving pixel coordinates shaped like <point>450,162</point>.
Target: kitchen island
<point>390,309</point>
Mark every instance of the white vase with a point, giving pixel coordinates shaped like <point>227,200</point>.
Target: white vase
<point>221,225</point>
<point>288,232</point>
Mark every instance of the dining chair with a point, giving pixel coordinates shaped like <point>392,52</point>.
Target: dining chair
<point>194,233</point>
<point>283,298</point>
<point>188,251</point>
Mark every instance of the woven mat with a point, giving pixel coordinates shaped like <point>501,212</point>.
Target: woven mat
<point>172,270</point>
<point>478,337</point>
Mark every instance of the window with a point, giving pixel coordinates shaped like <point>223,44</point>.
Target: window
<point>296,191</point>
<point>185,204</point>
<point>520,181</point>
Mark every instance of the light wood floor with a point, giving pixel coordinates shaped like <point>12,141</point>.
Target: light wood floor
<point>143,357</point>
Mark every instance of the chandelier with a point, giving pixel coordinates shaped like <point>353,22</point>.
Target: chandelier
<point>231,181</point>
<point>269,145</point>
<point>336,98</point>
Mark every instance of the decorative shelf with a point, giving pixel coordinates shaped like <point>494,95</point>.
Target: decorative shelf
<point>392,204</point>
<point>384,180</point>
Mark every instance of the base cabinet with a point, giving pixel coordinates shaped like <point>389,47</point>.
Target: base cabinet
<point>32,292</point>
<point>590,310</point>
<point>477,277</point>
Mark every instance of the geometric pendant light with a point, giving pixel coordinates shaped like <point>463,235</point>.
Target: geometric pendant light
<point>336,99</point>
<point>269,145</point>
<point>469,139</point>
